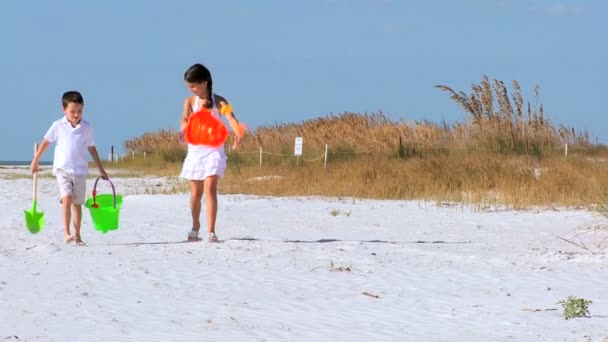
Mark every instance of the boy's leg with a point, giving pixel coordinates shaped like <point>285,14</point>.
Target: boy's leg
<point>77,202</point>
<point>77,215</point>
<point>210,190</point>
<point>65,189</point>
<point>196,194</point>
<point>66,204</point>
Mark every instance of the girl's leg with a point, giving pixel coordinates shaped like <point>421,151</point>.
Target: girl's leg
<point>66,204</point>
<point>211,201</point>
<point>196,194</point>
<point>77,214</point>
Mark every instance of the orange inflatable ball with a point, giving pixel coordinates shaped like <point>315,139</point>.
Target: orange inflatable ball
<point>205,129</point>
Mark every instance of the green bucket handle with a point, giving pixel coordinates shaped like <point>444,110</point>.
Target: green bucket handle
<point>95,205</point>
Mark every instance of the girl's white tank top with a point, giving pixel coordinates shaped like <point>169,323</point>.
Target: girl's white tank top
<point>205,149</point>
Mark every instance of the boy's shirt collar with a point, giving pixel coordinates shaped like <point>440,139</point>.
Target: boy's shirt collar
<point>65,120</point>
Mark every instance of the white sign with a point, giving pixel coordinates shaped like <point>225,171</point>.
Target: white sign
<point>298,146</point>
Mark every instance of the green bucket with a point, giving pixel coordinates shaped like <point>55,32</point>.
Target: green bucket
<point>104,209</point>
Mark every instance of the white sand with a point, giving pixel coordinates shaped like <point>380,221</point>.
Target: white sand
<point>490,276</point>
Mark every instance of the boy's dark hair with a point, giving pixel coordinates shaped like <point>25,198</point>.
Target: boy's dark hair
<point>71,97</point>
<point>199,73</point>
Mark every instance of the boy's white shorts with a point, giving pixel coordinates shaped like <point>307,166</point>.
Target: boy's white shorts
<point>72,185</point>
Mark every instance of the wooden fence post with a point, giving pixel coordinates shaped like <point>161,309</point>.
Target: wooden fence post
<point>325,162</point>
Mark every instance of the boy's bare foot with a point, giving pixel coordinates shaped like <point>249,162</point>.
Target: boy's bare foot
<point>79,241</point>
<point>68,238</point>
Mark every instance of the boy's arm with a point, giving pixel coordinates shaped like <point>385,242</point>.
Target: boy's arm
<point>102,172</point>
<point>43,146</point>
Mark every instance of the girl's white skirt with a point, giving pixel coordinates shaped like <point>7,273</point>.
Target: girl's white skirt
<point>199,165</point>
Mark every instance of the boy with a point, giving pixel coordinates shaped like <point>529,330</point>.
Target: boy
<point>73,136</point>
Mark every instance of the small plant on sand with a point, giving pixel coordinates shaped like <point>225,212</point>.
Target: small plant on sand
<point>335,268</point>
<point>336,212</point>
<point>575,307</point>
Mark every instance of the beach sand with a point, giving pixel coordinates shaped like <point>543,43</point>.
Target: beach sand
<point>295,269</point>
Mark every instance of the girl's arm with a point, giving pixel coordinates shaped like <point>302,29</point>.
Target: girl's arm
<point>185,115</point>
<point>237,128</point>
<point>43,146</point>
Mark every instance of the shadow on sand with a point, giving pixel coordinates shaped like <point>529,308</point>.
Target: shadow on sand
<point>251,239</point>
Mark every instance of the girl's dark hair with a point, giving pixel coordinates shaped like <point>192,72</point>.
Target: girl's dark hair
<point>199,73</point>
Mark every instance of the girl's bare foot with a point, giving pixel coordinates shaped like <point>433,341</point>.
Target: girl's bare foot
<point>68,238</point>
<point>211,237</point>
<point>193,235</point>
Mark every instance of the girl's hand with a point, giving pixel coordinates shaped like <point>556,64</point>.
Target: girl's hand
<point>182,131</point>
<point>103,174</point>
<point>237,142</point>
<point>239,132</point>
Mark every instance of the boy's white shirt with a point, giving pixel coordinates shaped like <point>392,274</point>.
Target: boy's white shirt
<point>71,145</point>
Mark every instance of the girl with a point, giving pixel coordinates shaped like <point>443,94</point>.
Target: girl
<point>204,164</point>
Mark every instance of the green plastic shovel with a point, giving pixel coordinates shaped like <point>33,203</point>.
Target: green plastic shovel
<point>33,219</point>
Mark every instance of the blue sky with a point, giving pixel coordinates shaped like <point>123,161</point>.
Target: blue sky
<point>288,61</point>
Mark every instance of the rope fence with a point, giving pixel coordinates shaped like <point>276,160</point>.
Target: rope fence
<point>113,157</point>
